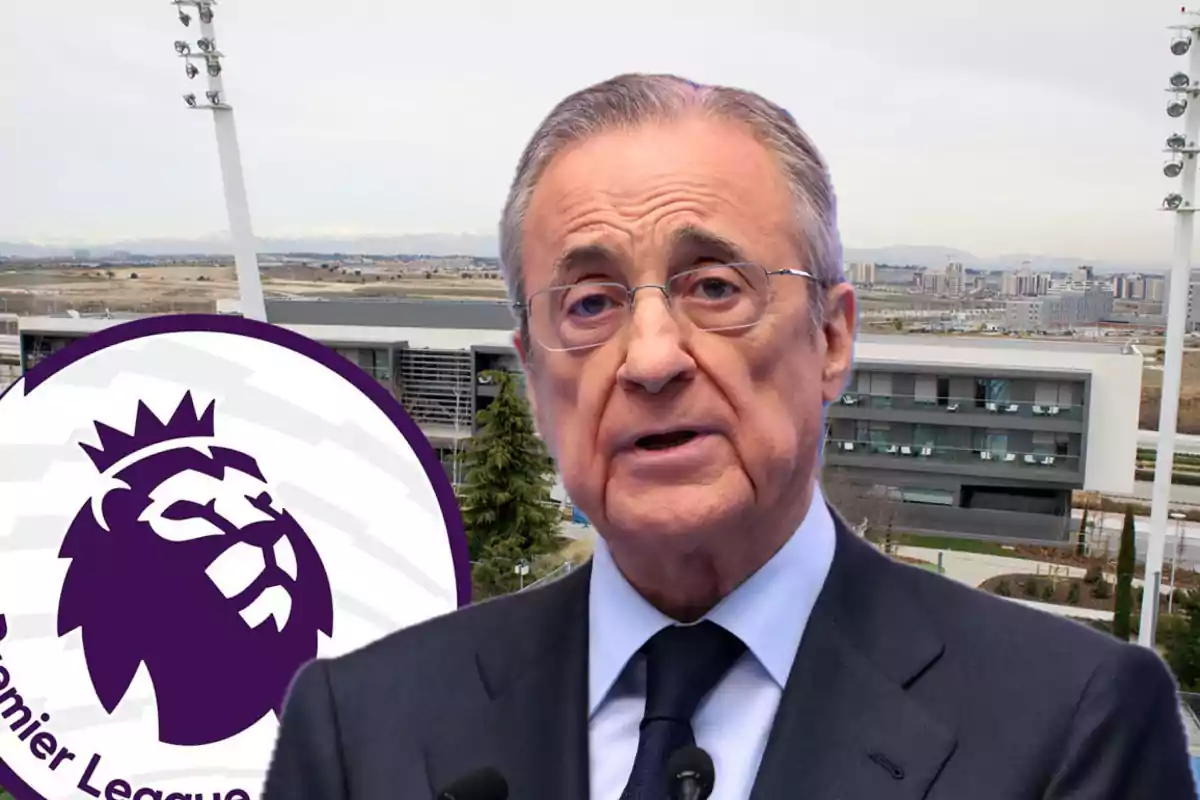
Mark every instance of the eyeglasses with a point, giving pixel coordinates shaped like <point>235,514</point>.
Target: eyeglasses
<point>715,297</point>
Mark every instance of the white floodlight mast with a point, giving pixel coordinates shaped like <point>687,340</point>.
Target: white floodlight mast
<point>1180,278</point>
<point>245,246</point>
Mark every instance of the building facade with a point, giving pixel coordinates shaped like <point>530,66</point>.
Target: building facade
<point>986,437</point>
<point>959,435</point>
<point>1066,307</point>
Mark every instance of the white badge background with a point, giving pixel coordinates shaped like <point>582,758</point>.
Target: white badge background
<point>396,571</point>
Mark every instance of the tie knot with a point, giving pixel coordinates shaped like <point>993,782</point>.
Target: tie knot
<point>683,664</point>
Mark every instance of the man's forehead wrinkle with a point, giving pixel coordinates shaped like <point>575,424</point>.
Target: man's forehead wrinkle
<point>653,220</point>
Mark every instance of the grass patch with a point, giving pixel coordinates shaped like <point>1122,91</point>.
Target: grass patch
<point>1178,477</point>
<point>952,543</point>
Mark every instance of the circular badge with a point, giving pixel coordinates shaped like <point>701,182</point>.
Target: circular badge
<point>191,508</point>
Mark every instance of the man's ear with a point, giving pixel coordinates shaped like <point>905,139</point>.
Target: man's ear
<point>841,324</point>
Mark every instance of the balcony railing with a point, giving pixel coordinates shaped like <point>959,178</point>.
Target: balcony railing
<point>959,405</point>
<point>1039,461</point>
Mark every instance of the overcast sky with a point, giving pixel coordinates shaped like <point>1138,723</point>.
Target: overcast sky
<point>995,127</point>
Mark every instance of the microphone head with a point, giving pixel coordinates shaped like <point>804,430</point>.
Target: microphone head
<point>485,783</point>
<point>691,763</point>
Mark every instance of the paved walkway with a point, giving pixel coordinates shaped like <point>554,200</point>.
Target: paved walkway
<point>974,569</point>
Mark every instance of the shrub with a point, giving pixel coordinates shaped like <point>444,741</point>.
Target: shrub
<point>1102,590</point>
<point>1094,574</point>
<point>1073,593</point>
<point>1004,588</point>
<point>1048,592</point>
<point>1033,587</point>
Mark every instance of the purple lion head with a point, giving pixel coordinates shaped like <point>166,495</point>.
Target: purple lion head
<point>184,563</point>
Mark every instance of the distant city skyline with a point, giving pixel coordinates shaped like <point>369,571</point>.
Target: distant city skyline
<point>485,246</point>
<point>1024,127</point>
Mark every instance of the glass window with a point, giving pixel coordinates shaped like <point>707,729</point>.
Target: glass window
<point>925,389</point>
<point>876,434</point>
<point>1045,393</point>
<point>935,497</point>
<point>924,436</point>
<point>996,443</point>
<point>1043,443</point>
<point>877,386</point>
<point>997,390</point>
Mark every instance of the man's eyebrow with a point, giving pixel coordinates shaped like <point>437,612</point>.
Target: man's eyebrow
<point>695,238</point>
<point>581,256</point>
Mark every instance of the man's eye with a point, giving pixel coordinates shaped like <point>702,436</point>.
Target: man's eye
<point>715,289</point>
<point>590,305</point>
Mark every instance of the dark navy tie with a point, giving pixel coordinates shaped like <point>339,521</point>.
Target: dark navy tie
<point>683,664</point>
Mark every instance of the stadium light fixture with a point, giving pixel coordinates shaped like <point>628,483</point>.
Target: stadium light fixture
<point>1182,204</point>
<point>185,18</point>
<point>245,246</point>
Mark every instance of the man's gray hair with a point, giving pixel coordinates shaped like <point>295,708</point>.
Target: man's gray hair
<point>628,101</point>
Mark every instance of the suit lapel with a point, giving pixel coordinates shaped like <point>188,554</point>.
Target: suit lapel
<point>531,722</point>
<point>847,729</point>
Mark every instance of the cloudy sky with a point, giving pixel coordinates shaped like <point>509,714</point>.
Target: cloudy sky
<point>995,127</point>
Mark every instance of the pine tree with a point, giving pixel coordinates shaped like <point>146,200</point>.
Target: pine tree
<point>505,495</point>
<point>1081,544</point>
<point>1123,604</point>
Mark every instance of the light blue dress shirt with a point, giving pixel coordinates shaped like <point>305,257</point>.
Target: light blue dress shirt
<point>768,612</point>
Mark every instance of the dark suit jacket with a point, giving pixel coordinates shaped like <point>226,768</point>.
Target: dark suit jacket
<point>906,685</point>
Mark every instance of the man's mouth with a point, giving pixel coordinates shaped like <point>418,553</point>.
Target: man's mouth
<point>665,441</point>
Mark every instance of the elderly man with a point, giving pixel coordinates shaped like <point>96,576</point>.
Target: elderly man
<point>673,256</point>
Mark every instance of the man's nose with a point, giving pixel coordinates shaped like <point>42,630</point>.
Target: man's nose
<point>655,356</point>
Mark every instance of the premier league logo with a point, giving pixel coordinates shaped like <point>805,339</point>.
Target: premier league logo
<point>193,524</point>
<point>191,509</point>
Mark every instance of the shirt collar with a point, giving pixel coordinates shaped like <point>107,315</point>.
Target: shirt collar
<point>768,612</point>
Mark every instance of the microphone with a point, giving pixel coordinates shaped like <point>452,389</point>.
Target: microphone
<point>485,783</point>
<point>690,774</point>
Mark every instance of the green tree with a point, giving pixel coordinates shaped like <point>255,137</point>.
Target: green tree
<point>505,494</point>
<point>1081,542</point>
<point>1123,604</point>
<point>1180,637</point>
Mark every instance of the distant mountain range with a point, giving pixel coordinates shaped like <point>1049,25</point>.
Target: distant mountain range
<point>484,245</point>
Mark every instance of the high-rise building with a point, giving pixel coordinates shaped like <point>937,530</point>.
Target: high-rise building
<point>1135,286</point>
<point>945,281</point>
<point>1024,282</point>
<point>861,273</point>
<point>954,278</point>
<point>1065,307</point>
